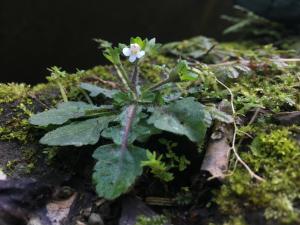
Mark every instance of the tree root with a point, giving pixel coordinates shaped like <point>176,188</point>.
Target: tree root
<point>233,147</point>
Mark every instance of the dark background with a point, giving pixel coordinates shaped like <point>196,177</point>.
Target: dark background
<point>37,34</point>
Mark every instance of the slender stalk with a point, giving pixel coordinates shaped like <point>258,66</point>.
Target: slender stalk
<point>123,72</point>
<point>62,91</point>
<point>161,83</point>
<point>87,97</point>
<point>131,110</point>
<point>135,77</point>
<point>122,77</point>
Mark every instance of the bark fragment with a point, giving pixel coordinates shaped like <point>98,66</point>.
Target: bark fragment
<point>217,154</point>
<point>288,118</point>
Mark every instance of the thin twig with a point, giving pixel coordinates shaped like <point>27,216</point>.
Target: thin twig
<point>39,101</point>
<point>248,135</point>
<point>245,133</point>
<point>287,60</point>
<point>106,82</point>
<point>228,63</point>
<point>224,63</point>
<point>252,174</point>
<point>209,50</point>
<point>161,83</point>
<point>257,111</point>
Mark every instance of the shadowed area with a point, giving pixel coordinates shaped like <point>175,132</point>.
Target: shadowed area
<point>35,35</point>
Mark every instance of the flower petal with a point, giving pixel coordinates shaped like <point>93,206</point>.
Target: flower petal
<point>140,54</point>
<point>2,175</point>
<point>126,51</point>
<point>135,47</point>
<point>132,58</point>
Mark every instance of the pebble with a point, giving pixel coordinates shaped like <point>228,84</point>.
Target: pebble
<point>95,219</point>
<point>86,212</point>
<point>80,223</point>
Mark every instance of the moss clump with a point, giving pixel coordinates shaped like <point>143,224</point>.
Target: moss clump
<point>276,157</point>
<point>275,92</point>
<point>15,129</point>
<point>154,220</point>
<point>239,220</point>
<point>153,73</point>
<point>15,105</point>
<point>277,144</point>
<point>12,92</point>
<point>10,165</point>
<point>29,156</point>
<point>104,72</point>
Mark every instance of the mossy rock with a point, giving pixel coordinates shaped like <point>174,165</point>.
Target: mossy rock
<point>273,152</point>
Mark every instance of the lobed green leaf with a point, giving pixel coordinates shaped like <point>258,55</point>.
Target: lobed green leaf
<point>184,117</point>
<point>95,90</point>
<point>64,112</point>
<point>116,169</point>
<point>77,133</point>
<point>138,132</point>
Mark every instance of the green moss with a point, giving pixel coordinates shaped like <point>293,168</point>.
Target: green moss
<point>276,157</point>
<point>276,90</point>
<point>14,103</point>
<point>14,124</point>
<point>154,220</point>
<point>29,157</point>
<point>252,50</point>
<point>153,73</point>
<point>276,144</point>
<point>239,220</point>
<point>104,72</point>
<point>12,92</point>
<point>8,135</point>
<point>10,165</point>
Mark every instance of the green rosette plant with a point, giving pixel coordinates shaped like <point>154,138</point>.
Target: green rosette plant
<point>136,112</point>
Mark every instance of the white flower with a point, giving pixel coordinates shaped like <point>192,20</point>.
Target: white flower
<point>2,175</point>
<point>134,52</point>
